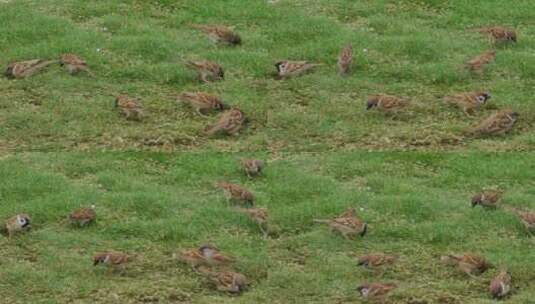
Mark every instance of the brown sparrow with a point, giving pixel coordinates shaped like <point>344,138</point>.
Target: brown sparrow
<point>500,286</point>
<point>470,264</point>
<point>203,102</point>
<point>229,123</point>
<point>237,193</point>
<point>207,254</point>
<point>478,63</point>
<point>487,199</point>
<point>498,33</point>
<point>375,260</point>
<point>23,69</point>
<point>259,216</point>
<point>129,107</point>
<point>219,33</point>
<point>348,224</point>
<point>74,64</point>
<point>17,224</point>
<point>112,259</point>
<point>83,216</point>
<point>208,71</point>
<point>252,167</point>
<point>526,217</point>
<point>497,124</point>
<point>386,103</point>
<point>288,68</point>
<point>468,101</point>
<point>345,60</point>
<point>375,291</point>
<point>227,281</point>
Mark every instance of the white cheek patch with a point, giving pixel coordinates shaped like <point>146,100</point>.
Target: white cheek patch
<point>365,292</point>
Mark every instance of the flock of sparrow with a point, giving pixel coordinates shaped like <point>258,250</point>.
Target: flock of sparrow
<point>208,260</point>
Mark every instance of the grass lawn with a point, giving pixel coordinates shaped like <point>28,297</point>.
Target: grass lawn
<point>410,177</point>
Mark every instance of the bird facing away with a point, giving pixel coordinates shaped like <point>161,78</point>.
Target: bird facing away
<point>237,193</point>
<point>526,217</point>
<point>374,260</point>
<point>207,254</point>
<point>498,34</point>
<point>386,103</point>
<point>468,101</point>
<point>112,259</point>
<point>468,263</point>
<point>208,71</point>
<point>74,64</point>
<point>226,281</point>
<point>487,199</point>
<point>348,224</point>
<point>23,69</point>
<point>345,60</point>
<point>129,107</point>
<point>252,167</point>
<point>203,102</point>
<point>288,68</point>
<point>375,291</point>
<point>500,286</point>
<point>229,123</point>
<point>259,216</point>
<point>83,216</point>
<point>219,34</point>
<point>478,63</point>
<point>17,224</point>
<point>498,123</point>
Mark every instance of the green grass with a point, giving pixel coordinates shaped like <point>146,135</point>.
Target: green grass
<point>63,145</point>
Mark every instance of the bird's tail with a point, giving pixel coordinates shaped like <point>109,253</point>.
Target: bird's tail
<point>36,68</point>
<point>449,259</point>
<point>321,221</point>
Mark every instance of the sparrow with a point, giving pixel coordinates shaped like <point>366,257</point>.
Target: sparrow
<point>112,259</point>
<point>252,167</point>
<point>497,124</point>
<point>208,71</point>
<point>375,260</point>
<point>229,123</point>
<point>386,103</point>
<point>23,69</point>
<point>468,101</point>
<point>478,63</point>
<point>487,199</point>
<point>470,264</point>
<point>227,281</point>
<point>74,64</point>
<point>345,60</point>
<point>259,216</point>
<point>498,33</point>
<point>526,217</point>
<point>17,224</point>
<point>375,291</point>
<point>129,107</point>
<point>288,68</point>
<point>219,33</point>
<point>203,102</point>
<point>348,224</point>
<point>500,286</point>
<point>237,193</point>
<point>207,254</point>
<point>83,216</point>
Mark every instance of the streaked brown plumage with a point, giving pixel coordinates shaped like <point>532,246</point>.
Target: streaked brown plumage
<point>219,33</point>
<point>229,123</point>
<point>259,216</point>
<point>83,216</point>
<point>129,107</point>
<point>226,281</point>
<point>497,124</point>
<point>375,291</point>
<point>500,286</point>
<point>207,254</point>
<point>470,264</point>
<point>74,64</point>
<point>288,68</point>
<point>487,198</point>
<point>17,224</point>
<point>112,259</point>
<point>208,71</point>
<point>386,103</point>
<point>237,193</point>
<point>252,167</point>
<point>478,63</point>
<point>203,102</point>
<point>23,69</point>
<point>498,33</point>
<point>376,259</point>
<point>526,217</point>
<point>348,224</point>
<point>345,60</point>
<point>468,101</point>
